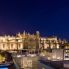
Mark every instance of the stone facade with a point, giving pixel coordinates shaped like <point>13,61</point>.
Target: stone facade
<point>29,41</point>
<point>20,41</point>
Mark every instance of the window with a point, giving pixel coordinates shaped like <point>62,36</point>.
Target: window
<point>11,45</point>
<point>67,51</point>
<point>19,45</point>
<point>66,56</point>
<point>3,45</point>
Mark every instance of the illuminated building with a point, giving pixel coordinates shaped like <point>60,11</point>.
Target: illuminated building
<point>57,54</point>
<point>20,42</point>
<point>50,42</point>
<point>30,42</point>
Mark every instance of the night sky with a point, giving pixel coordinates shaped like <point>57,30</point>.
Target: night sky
<point>50,17</point>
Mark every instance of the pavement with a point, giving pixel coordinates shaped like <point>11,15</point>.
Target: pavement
<point>36,64</point>
<point>44,66</point>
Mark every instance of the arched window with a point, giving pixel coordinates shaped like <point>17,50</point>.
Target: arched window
<point>19,45</point>
<point>3,45</point>
<point>11,45</point>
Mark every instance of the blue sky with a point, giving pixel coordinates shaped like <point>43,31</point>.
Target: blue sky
<point>50,17</point>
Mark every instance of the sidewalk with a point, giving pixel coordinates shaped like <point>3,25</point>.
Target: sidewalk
<point>44,66</point>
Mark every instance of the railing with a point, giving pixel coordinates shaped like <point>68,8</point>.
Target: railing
<point>15,63</point>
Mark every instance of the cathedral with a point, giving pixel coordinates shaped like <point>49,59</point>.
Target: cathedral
<point>31,42</point>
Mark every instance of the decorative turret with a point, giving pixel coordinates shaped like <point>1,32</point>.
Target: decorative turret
<point>37,34</point>
<point>24,34</point>
<point>19,34</point>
